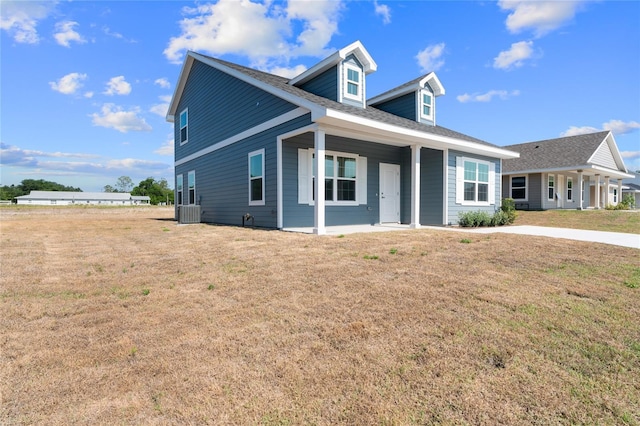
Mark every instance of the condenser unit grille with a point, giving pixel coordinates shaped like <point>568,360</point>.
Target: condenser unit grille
<point>189,214</point>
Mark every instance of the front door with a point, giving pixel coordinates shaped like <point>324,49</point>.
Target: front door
<point>389,193</point>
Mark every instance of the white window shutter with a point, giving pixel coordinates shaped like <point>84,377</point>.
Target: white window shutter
<point>492,183</point>
<point>303,176</point>
<point>362,180</point>
<point>459,180</point>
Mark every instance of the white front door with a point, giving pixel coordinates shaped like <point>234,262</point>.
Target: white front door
<point>389,193</point>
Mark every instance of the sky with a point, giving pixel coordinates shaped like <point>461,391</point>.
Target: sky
<point>85,85</point>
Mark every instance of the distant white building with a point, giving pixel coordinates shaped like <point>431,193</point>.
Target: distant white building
<point>63,198</point>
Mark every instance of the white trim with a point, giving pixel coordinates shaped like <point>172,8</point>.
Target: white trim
<point>180,189</point>
<point>319,212</point>
<point>361,180</point>
<point>588,170</point>
<point>491,185</point>
<point>549,177</point>
<point>421,104</point>
<point>415,186</point>
<point>445,187</point>
<point>437,87</point>
<point>396,168</point>
<point>298,112</point>
<point>195,200</point>
<point>279,184</point>
<point>569,180</point>
<point>613,147</point>
<point>252,154</point>
<point>346,67</point>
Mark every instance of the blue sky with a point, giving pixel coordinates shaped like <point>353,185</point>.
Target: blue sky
<point>85,85</point>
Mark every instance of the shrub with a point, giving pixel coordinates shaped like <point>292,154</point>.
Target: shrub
<point>474,219</point>
<point>509,208</point>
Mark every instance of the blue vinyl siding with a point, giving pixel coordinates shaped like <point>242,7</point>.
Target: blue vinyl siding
<point>222,183</point>
<point>325,84</point>
<point>455,209</point>
<point>301,215</point>
<point>403,106</point>
<point>221,106</point>
<point>431,191</point>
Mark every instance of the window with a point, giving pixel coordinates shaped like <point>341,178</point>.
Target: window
<point>551,186</point>
<point>191,182</point>
<point>569,189</point>
<point>184,125</point>
<point>256,178</point>
<point>426,105</point>
<point>345,180</point>
<point>615,195</point>
<point>519,187</point>
<point>475,182</point>
<point>179,190</point>
<point>353,82</point>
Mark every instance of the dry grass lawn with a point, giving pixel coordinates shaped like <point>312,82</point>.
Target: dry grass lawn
<point>121,316</point>
<point>627,221</point>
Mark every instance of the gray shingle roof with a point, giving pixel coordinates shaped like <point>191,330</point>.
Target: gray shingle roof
<point>554,153</point>
<point>370,113</point>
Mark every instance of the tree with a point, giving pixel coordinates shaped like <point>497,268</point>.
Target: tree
<point>109,188</point>
<point>26,186</point>
<point>124,184</point>
<point>158,191</point>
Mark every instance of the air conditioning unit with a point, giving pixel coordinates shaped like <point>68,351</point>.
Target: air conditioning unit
<point>189,214</point>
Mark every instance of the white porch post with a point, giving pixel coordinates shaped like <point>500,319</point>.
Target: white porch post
<point>597,192</point>
<point>607,201</point>
<point>319,210</point>
<point>619,190</point>
<point>415,187</point>
<point>580,190</point>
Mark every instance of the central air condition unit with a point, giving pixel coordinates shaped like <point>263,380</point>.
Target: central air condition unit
<point>189,214</point>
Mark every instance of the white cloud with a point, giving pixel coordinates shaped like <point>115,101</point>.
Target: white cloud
<point>20,19</point>
<point>384,11</point>
<point>117,86</point>
<point>617,127</point>
<point>256,30</point>
<point>162,82</point>
<point>515,56</point>
<point>540,16</point>
<point>161,109</point>
<point>288,72</point>
<point>429,58</point>
<point>487,97</point>
<point>167,147</point>
<point>630,155</point>
<point>66,34</point>
<point>114,117</point>
<point>69,84</point>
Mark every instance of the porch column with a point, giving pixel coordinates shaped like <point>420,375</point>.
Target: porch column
<point>596,202</point>
<point>415,186</point>
<point>619,190</point>
<point>319,210</point>
<point>606,191</point>
<point>580,190</point>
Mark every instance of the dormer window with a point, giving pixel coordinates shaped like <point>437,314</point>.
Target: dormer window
<point>427,105</point>
<point>352,82</point>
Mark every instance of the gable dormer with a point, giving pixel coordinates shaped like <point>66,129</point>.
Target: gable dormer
<point>415,100</point>
<point>341,77</point>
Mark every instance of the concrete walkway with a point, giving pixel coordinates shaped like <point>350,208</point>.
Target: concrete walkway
<point>613,238</point>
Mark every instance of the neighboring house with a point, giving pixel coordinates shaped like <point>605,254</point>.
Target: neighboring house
<point>573,172</point>
<point>48,198</point>
<point>632,187</point>
<point>249,142</point>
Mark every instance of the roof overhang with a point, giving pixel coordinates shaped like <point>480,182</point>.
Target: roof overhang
<point>613,147</point>
<point>587,170</point>
<point>356,48</point>
<point>431,79</point>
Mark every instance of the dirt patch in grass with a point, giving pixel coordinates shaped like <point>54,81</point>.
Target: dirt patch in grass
<point>123,316</point>
<point>627,221</point>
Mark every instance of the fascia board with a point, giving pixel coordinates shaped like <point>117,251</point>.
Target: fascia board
<point>438,90</point>
<point>318,68</point>
<point>409,136</point>
<point>590,168</point>
<point>177,93</point>
<point>613,147</point>
<point>316,110</point>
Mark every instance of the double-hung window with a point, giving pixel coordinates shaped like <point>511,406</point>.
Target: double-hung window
<point>426,105</point>
<point>191,186</point>
<point>519,187</point>
<point>475,182</point>
<point>179,190</point>
<point>184,126</point>
<point>256,178</point>
<point>551,184</point>
<point>352,82</point>
<point>569,189</point>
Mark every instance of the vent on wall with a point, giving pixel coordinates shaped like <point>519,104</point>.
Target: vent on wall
<point>189,214</point>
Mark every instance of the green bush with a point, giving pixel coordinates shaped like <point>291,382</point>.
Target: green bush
<point>505,216</point>
<point>626,203</point>
<point>509,208</point>
<point>474,219</point>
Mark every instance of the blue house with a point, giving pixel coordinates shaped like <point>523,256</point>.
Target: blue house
<point>250,142</point>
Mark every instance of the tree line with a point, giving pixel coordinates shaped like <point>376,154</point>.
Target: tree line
<point>157,190</point>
